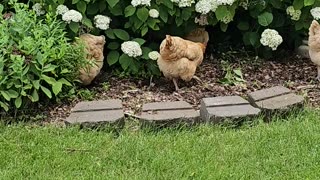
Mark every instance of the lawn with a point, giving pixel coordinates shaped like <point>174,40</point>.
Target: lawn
<point>284,149</point>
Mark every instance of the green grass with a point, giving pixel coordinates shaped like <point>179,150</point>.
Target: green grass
<point>284,149</point>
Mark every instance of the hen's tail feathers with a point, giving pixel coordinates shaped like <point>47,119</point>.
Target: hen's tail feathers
<point>314,28</point>
<point>168,41</point>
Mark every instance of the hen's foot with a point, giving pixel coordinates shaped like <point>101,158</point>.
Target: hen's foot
<point>175,84</point>
<point>197,79</point>
<point>318,77</point>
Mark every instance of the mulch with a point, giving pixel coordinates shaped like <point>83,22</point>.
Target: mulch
<point>293,72</point>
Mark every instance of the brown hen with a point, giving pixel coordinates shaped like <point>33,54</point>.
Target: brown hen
<point>314,44</point>
<point>180,58</point>
<point>94,48</point>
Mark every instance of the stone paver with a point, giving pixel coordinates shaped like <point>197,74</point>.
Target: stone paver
<point>93,112</point>
<point>162,113</point>
<point>275,98</point>
<point>217,109</point>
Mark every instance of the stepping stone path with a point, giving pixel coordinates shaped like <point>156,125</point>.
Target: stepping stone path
<point>275,98</point>
<point>162,113</point>
<point>217,109</point>
<point>97,112</point>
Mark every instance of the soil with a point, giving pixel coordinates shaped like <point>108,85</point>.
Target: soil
<point>295,73</point>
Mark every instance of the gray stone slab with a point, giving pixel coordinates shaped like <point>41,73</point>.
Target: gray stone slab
<point>268,93</point>
<point>276,98</point>
<point>217,109</point>
<point>97,112</point>
<point>168,112</point>
<point>98,105</point>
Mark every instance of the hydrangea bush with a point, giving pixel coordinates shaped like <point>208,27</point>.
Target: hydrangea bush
<point>134,28</point>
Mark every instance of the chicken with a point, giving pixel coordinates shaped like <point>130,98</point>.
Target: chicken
<point>94,49</point>
<point>314,44</point>
<point>198,35</point>
<point>180,58</point>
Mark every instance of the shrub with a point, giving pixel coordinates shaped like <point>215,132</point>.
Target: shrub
<point>36,59</point>
<point>147,21</point>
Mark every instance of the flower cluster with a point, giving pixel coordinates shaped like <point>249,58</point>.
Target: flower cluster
<point>295,14</point>
<point>136,3</point>
<point>131,48</point>
<point>315,12</point>
<point>183,3</point>
<point>202,20</point>
<point>38,9</point>
<point>153,13</point>
<point>205,6</point>
<point>72,15</point>
<point>102,22</point>
<point>244,4</point>
<point>225,2</point>
<point>154,55</point>
<point>61,9</point>
<point>271,38</point>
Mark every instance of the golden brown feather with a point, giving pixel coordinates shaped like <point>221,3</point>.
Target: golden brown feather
<point>314,44</point>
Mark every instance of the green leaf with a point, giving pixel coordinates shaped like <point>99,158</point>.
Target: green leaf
<point>93,9</point>
<point>308,2</point>
<point>129,11</point>
<point>223,27</point>
<point>46,91</point>
<point>143,14</point>
<point>86,21</point>
<point>265,19</point>
<point>35,96</point>
<point>243,26</point>
<point>144,31</point>
<point>112,3</point>
<point>75,1</point>
<point>110,34</point>
<point>139,40</point>
<point>125,61</point>
<point>221,12</point>
<point>113,57</point>
<point>298,4</point>
<point>5,95</point>
<point>253,38</point>
<point>4,106</point>
<point>1,8</point>
<point>82,6</point>
<point>12,93</point>
<point>121,34</point>
<point>49,80</point>
<point>113,45</point>
<point>238,72</point>
<point>18,102</point>
<point>36,84</point>
<point>74,27</point>
<point>163,14</point>
<point>56,88</point>
<point>168,3</point>
<point>65,82</point>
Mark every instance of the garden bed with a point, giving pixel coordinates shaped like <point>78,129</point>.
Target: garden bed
<point>294,72</point>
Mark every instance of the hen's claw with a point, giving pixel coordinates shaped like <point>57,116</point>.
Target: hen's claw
<point>197,79</point>
<point>175,84</point>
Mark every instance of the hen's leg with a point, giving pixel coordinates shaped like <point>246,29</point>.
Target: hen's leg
<point>175,84</point>
<point>318,77</point>
<point>197,78</point>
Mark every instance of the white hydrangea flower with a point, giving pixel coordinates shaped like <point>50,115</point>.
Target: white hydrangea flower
<point>271,38</point>
<point>183,3</point>
<point>295,14</point>
<point>131,48</point>
<point>153,13</point>
<point>72,15</point>
<point>102,22</point>
<point>154,55</point>
<point>225,2</point>
<point>136,3</point>
<point>38,9</point>
<point>202,20</point>
<point>244,4</point>
<point>315,12</point>
<point>61,9</point>
<point>203,6</point>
